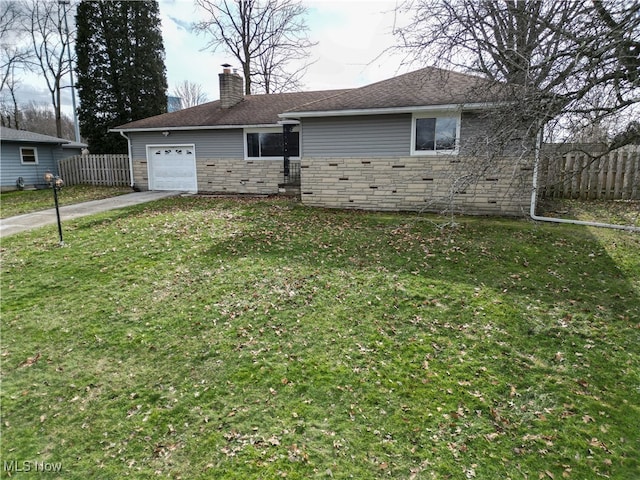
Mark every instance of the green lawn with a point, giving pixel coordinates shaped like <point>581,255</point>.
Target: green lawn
<point>208,338</point>
<point>617,212</point>
<point>19,202</point>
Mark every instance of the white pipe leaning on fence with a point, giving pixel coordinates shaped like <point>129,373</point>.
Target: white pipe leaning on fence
<point>534,199</point>
<point>132,183</point>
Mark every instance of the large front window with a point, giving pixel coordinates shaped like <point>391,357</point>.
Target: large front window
<point>435,134</point>
<point>270,143</point>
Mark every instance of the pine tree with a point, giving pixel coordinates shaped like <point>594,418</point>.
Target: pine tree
<point>120,67</point>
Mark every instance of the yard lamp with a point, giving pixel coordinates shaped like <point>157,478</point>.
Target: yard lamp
<point>56,184</point>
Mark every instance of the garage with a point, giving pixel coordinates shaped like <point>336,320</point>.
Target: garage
<point>172,167</point>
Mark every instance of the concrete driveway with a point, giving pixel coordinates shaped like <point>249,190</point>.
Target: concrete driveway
<point>22,223</point>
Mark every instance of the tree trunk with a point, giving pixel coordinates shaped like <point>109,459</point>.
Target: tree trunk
<point>56,104</point>
<point>246,70</point>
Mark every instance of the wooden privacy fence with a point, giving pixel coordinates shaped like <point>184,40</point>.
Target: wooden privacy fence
<point>104,170</point>
<point>615,176</point>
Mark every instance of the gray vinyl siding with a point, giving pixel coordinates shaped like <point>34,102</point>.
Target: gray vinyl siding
<point>209,143</point>
<point>481,137</point>
<point>33,174</point>
<point>362,136</point>
<point>372,136</point>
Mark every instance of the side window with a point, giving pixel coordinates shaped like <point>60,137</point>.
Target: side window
<point>28,155</point>
<point>435,134</point>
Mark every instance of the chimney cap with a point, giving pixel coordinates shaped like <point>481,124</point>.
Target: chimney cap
<point>226,65</point>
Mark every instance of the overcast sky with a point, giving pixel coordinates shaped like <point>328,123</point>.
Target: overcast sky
<point>353,37</point>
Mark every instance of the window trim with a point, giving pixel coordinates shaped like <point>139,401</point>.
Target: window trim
<point>435,114</point>
<point>35,155</point>
<point>266,130</point>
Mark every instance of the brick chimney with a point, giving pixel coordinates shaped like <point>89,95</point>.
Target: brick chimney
<point>231,87</point>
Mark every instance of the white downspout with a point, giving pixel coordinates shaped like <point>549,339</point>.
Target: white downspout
<point>534,197</point>
<point>130,158</point>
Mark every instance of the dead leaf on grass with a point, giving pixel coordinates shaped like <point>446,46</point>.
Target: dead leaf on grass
<point>31,360</point>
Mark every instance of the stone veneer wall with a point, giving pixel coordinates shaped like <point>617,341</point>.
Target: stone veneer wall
<point>227,175</point>
<point>140,174</point>
<point>420,183</point>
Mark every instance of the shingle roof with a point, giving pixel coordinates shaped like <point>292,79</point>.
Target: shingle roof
<point>12,135</point>
<point>252,110</point>
<point>425,87</point>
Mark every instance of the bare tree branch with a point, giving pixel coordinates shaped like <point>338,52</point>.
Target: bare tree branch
<point>13,52</point>
<point>266,37</point>
<point>190,94</point>
<point>49,41</point>
<point>580,60</point>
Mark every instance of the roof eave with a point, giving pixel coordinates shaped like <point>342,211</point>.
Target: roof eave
<point>391,110</point>
<point>187,128</point>
<point>31,140</point>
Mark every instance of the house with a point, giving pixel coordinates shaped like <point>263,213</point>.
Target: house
<point>26,156</point>
<point>417,141</point>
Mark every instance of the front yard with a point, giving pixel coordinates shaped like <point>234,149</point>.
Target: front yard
<point>208,338</point>
<point>19,202</point>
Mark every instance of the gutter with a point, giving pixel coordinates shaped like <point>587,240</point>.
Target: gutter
<point>449,107</point>
<point>132,183</point>
<point>534,197</point>
<point>190,128</point>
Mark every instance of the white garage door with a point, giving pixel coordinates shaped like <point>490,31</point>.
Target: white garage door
<point>172,167</point>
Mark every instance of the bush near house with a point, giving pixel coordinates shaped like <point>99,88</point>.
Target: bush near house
<point>210,338</point>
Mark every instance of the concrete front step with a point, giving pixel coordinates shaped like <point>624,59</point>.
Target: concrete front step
<point>289,190</point>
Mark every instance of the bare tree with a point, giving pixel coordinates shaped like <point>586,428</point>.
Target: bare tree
<point>565,56</point>
<point>40,118</point>
<point>568,69</point>
<point>13,52</point>
<point>284,57</point>
<point>266,37</point>
<point>49,40</point>
<point>10,112</point>
<point>190,94</point>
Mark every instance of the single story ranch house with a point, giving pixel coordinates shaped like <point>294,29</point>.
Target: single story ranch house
<point>413,142</point>
<point>26,156</point>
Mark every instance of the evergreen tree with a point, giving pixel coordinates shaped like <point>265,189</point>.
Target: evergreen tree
<point>121,71</point>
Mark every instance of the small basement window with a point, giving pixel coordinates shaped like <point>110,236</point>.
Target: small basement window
<point>435,134</point>
<point>29,155</point>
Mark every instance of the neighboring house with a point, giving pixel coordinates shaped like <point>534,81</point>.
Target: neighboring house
<point>413,142</point>
<point>26,156</point>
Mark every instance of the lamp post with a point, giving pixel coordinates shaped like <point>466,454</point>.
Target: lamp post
<point>76,126</point>
<point>56,183</point>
